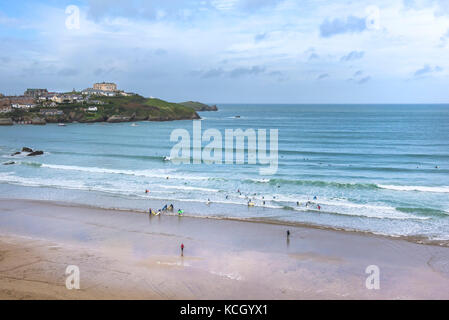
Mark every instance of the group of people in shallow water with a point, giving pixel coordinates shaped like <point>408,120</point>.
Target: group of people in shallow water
<point>250,203</point>
<point>166,208</point>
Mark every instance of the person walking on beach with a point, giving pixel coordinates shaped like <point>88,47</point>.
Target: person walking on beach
<point>182,249</point>
<point>288,234</point>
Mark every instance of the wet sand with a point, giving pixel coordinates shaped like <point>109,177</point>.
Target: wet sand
<point>129,255</point>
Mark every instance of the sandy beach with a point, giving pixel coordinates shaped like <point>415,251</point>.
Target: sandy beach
<point>129,255</point>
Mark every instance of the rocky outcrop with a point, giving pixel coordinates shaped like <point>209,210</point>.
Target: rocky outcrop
<point>15,154</point>
<point>194,116</point>
<point>117,119</point>
<point>36,153</point>
<point>38,121</point>
<point>198,106</point>
<point>26,149</point>
<point>6,122</point>
<point>9,163</point>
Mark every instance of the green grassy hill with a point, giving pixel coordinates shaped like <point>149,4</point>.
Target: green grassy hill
<point>114,109</point>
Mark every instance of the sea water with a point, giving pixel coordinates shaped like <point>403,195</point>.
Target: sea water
<point>376,168</point>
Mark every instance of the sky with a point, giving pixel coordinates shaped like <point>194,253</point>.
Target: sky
<point>231,51</point>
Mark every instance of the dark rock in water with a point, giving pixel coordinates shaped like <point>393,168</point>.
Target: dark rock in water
<point>15,154</point>
<point>36,153</point>
<point>9,163</point>
<point>25,149</point>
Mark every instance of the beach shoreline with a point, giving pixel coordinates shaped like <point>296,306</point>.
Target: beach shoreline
<point>129,255</point>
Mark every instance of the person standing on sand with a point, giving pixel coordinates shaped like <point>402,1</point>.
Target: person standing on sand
<point>182,249</point>
<point>288,234</point>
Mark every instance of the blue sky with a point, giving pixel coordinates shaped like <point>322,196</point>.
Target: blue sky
<point>249,51</point>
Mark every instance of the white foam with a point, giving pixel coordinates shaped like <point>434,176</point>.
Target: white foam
<point>443,189</point>
<point>161,173</point>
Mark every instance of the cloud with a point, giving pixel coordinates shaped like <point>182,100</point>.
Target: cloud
<point>243,5</point>
<point>234,73</point>
<point>364,80</point>
<point>444,38</point>
<point>160,52</point>
<point>353,55</point>
<point>259,37</point>
<point>314,56</point>
<point>427,69</point>
<point>103,72</point>
<point>358,73</point>
<point>322,76</point>
<point>213,73</point>
<point>337,26</point>
<point>5,20</point>
<point>67,72</point>
<point>139,9</point>
<point>257,4</point>
<point>239,72</point>
<point>275,73</point>
<point>443,7</point>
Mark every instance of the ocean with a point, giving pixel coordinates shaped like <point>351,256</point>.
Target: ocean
<point>371,168</point>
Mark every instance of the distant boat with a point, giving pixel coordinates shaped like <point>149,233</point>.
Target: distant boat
<point>61,124</point>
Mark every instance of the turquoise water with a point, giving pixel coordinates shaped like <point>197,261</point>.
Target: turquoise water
<point>378,168</point>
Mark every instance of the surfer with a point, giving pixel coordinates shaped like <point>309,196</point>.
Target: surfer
<point>319,207</point>
<point>147,191</point>
<point>164,208</point>
<point>288,234</point>
<point>180,212</point>
<point>170,208</point>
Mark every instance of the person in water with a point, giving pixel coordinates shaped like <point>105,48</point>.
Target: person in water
<point>319,207</point>
<point>288,234</point>
<point>182,249</point>
<point>315,198</point>
<point>147,191</point>
<point>180,212</point>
